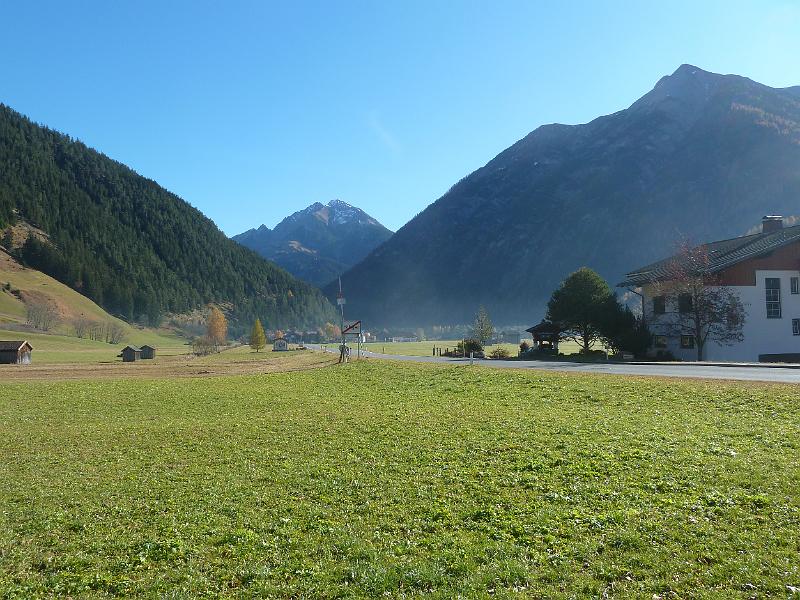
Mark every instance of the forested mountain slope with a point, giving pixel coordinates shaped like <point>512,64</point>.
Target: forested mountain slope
<point>127,243</point>
<point>702,156</point>
<point>320,242</point>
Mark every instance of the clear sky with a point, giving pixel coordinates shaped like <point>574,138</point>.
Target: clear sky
<point>252,110</point>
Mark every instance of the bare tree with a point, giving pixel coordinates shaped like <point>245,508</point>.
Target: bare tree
<point>41,314</point>
<point>114,332</point>
<point>705,309</point>
<point>203,345</point>
<point>82,326</point>
<point>96,331</point>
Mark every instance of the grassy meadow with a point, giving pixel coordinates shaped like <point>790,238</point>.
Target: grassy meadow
<point>379,479</point>
<point>50,349</point>
<point>426,348</point>
<point>59,345</point>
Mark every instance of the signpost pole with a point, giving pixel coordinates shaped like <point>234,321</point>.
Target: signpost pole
<point>343,346</point>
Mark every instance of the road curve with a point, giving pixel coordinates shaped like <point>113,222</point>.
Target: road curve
<point>773,374</point>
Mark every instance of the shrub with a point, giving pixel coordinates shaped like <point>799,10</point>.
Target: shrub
<point>665,355</point>
<point>596,353</point>
<point>202,346</point>
<point>469,345</point>
<point>500,353</point>
<point>524,347</point>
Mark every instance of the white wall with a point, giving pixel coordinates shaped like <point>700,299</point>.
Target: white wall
<point>761,335</point>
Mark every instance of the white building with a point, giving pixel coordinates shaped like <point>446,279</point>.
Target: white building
<point>763,269</point>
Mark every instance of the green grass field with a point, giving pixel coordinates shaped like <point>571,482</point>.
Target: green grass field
<point>426,348</point>
<point>378,479</point>
<point>51,349</point>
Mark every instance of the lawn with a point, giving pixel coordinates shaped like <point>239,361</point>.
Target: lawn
<point>378,479</point>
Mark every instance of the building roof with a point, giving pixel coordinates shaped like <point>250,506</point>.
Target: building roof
<point>721,255</point>
<point>544,327</point>
<point>13,346</point>
<point>148,346</point>
<point>134,348</point>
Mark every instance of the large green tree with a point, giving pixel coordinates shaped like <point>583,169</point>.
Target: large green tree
<point>580,307</point>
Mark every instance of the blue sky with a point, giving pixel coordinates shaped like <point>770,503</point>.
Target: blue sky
<point>252,110</point>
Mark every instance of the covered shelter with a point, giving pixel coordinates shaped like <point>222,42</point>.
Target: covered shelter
<point>15,352</point>
<point>131,354</point>
<point>545,336</point>
<point>148,352</point>
<point>280,345</point>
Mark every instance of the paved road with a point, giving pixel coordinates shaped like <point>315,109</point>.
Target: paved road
<point>685,370</point>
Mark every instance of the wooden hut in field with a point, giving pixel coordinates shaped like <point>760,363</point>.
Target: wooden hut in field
<point>15,353</point>
<point>148,352</point>
<point>280,345</point>
<point>131,354</point>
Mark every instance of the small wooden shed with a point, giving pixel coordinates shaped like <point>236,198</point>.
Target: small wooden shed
<point>280,345</point>
<point>148,352</point>
<point>15,352</point>
<point>131,354</point>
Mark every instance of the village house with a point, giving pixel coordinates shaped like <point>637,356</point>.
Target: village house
<point>15,353</point>
<point>763,269</point>
<point>508,337</point>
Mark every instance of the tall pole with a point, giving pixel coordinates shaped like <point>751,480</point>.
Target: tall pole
<point>340,302</point>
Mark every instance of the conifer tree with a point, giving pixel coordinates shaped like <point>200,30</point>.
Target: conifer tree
<point>482,329</point>
<point>258,340</point>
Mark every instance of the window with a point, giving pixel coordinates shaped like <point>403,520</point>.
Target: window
<point>795,326</point>
<point>660,341</point>
<point>795,284</point>
<point>685,303</point>
<point>659,305</point>
<point>687,341</point>
<point>773,287</point>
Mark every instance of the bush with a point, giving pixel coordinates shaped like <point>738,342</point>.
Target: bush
<point>665,355</point>
<point>592,353</point>
<point>524,347</point>
<point>539,354</point>
<point>202,346</point>
<point>500,353</point>
<point>467,346</point>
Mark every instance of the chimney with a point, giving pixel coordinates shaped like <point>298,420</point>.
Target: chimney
<point>770,223</point>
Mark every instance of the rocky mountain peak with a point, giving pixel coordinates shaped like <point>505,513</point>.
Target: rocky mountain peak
<point>320,241</point>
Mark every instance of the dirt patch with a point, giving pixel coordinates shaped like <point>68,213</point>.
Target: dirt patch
<point>9,264</point>
<point>14,237</point>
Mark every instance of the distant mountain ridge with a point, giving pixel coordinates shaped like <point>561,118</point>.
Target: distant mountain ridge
<point>701,156</point>
<point>128,244</point>
<point>319,242</point>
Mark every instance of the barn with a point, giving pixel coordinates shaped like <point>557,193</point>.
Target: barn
<point>131,354</point>
<point>280,345</point>
<point>15,353</point>
<point>148,352</point>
